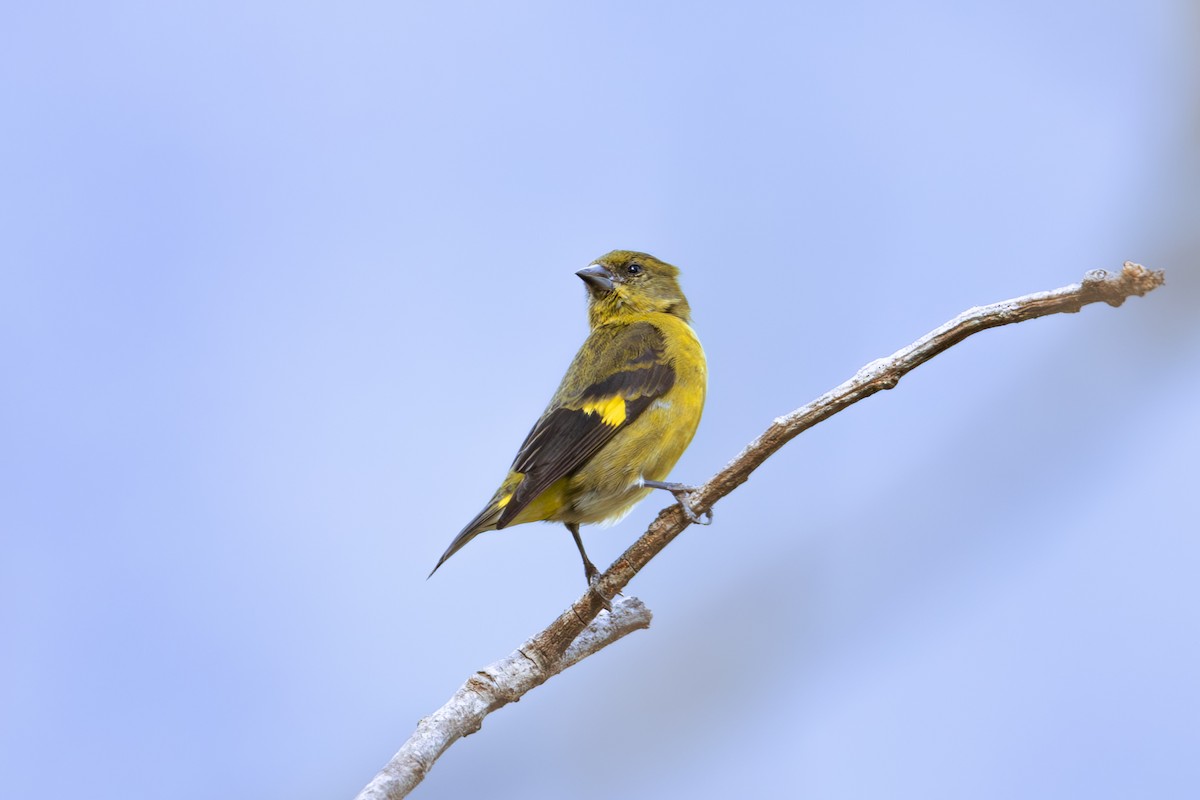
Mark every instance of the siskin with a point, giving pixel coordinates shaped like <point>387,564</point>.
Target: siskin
<point>625,411</point>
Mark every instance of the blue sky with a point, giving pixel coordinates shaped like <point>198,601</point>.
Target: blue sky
<point>284,286</point>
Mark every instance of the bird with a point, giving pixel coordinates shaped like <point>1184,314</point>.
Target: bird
<point>626,410</point>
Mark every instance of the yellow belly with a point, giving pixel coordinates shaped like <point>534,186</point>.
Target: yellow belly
<point>608,487</point>
<point>648,448</point>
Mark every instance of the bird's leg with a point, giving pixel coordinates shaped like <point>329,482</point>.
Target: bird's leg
<point>681,492</point>
<point>589,569</point>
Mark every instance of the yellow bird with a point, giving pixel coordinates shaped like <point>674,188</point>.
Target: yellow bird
<point>625,411</point>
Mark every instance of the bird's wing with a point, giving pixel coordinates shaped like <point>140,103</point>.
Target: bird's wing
<point>616,375</point>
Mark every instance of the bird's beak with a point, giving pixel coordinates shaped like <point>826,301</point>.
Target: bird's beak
<point>597,277</point>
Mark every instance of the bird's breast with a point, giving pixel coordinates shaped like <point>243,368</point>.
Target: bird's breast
<point>609,485</point>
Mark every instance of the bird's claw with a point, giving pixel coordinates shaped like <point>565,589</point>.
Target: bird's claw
<point>593,581</point>
<point>704,518</point>
<point>681,492</point>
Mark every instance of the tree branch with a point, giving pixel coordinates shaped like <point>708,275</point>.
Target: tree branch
<point>579,631</point>
<point>495,686</point>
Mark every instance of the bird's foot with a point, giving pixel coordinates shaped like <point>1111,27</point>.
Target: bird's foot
<point>594,588</point>
<point>593,578</point>
<point>681,491</point>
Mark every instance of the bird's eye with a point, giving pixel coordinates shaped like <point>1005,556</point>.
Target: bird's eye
<point>634,269</point>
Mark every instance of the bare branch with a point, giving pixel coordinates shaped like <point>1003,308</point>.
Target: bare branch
<point>493,687</point>
<point>579,631</point>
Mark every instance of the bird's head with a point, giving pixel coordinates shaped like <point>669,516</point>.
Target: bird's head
<point>624,282</point>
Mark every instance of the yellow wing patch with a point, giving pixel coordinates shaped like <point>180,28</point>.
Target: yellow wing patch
<point>503,501</point>
<point>611,410</point>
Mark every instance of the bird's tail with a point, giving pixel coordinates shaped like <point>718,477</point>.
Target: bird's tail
<point>484,521</point>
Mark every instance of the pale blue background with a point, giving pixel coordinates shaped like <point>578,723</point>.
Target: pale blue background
<point>284,286</point>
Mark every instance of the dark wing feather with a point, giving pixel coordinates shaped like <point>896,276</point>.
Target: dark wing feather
<point>633,361</point>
